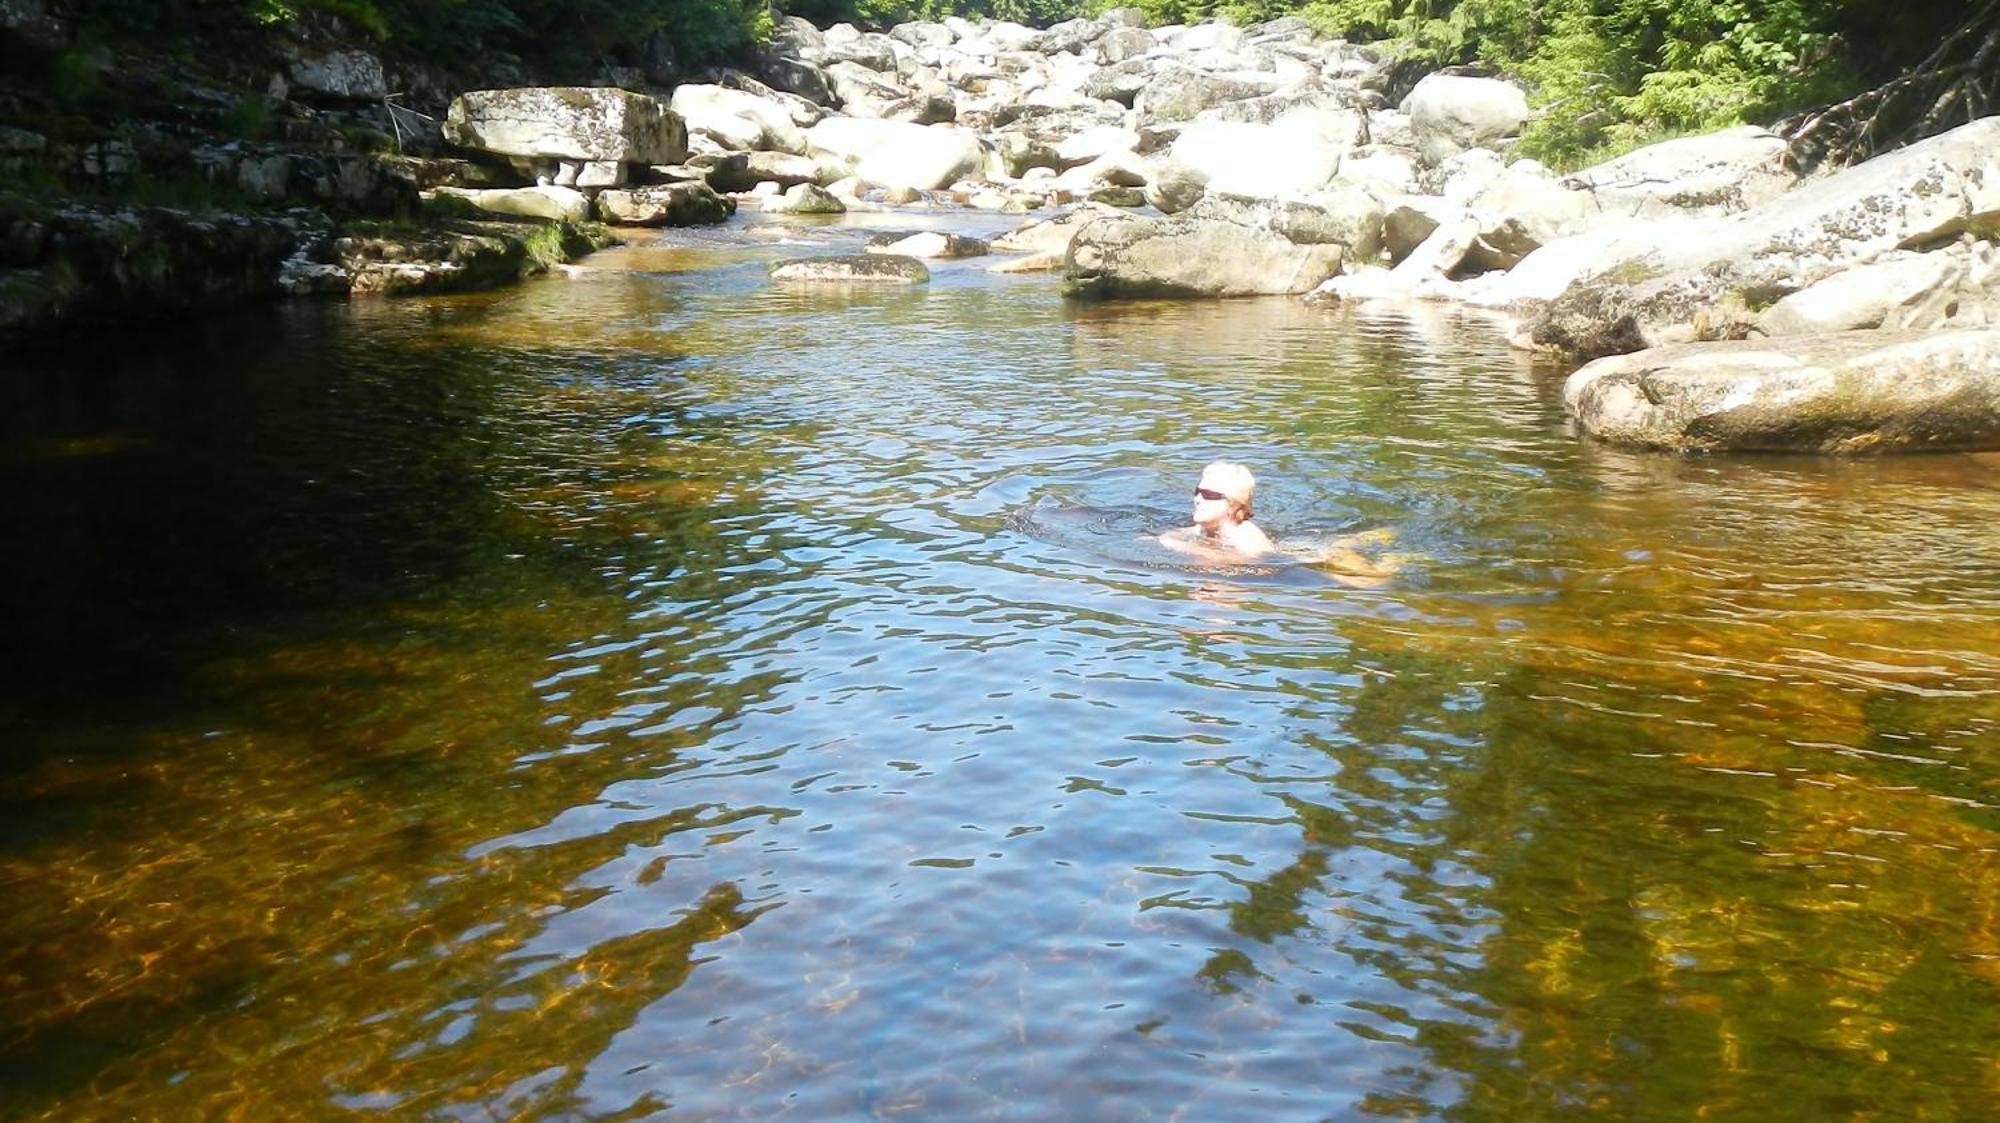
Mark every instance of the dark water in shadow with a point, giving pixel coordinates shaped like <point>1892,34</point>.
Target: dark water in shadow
<point>652,694</point>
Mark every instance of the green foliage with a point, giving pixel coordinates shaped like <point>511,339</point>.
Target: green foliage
<point>20,182</point>
<point>362,14</point>
<point>1159,12</point>
<point>249,118</point>
<point>887,13</point>
<point>1611,73</point>
<point>74,76</point>
<point>1617,74</point>
<point>189,191</point>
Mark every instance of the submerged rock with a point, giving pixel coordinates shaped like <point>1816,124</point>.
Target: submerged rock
<point>852,269</point>
<point>1847,392</point>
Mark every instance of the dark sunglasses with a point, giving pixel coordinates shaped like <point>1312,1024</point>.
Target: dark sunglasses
<point>1204,493</point>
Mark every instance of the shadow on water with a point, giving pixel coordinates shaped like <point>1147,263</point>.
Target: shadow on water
<point>252,562</point>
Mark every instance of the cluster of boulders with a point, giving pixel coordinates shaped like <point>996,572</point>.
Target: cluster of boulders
<point>1236,138</point>
<point>1205,161</point>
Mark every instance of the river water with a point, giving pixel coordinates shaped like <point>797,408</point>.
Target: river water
<point>652,693</point>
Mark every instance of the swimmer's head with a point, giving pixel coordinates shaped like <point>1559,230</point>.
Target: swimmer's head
<point>1233,482</point>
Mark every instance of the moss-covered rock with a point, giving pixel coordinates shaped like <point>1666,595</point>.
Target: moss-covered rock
<point>459,255</point>
<point>84,264</point>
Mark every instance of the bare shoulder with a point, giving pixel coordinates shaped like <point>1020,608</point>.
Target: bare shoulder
<point>1249,539</point>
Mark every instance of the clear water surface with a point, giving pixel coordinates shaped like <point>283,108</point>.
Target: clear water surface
<point>650,693</point>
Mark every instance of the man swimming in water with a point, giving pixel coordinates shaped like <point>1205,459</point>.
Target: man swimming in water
<point>1222,528</point>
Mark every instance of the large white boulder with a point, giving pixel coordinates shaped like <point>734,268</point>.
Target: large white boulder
<point>737,119</point>
<point>1544,274</point>
<point>1224,247</point>
<point>1298,153</point>
<point>1006,35</point>
<point>923,34</point>
<point>1716,173</point>
<point>1451,113</point>
<point>741,171</point>
<point>1844,392</point>
<point>1121,43</point>
<point>1094,142</point>
<point>1073,36</point>
<point>568,123</point>
<point>1955,287</point>
<point>899,153</point>
<point>1523,209</point>
<point>1705,279</point>
<point>1180,93</point>
<point>1212,36</point>
<point>864,92</point>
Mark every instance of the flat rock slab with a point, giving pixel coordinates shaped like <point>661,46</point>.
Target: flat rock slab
<point>568,123</point>
<point>556,204</point>
<point>1846,392</point>
<point>852,269</point>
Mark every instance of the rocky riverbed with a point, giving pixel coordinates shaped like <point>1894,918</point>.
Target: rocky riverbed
<point>1168,162</point>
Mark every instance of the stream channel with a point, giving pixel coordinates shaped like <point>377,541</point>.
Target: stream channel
<point>651,692</point>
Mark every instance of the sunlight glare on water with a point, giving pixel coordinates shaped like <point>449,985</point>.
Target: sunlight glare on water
<point>656,693</point>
